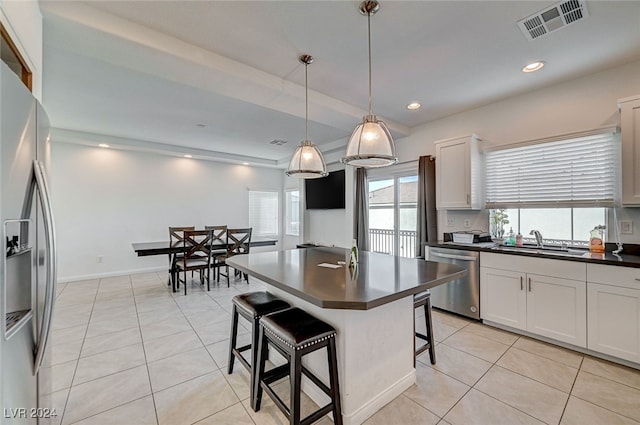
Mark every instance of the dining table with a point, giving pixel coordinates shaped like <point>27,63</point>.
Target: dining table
<point>371,307</point>
<point>143,249</point>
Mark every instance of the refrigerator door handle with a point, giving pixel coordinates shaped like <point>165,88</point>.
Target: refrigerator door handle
<point>49,229</point>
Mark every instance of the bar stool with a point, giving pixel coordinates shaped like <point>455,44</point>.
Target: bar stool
<point>252,306</point>
<point>420,300</point>
<point>295,333</point>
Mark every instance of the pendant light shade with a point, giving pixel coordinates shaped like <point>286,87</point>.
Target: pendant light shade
<point>370,144</point>
<point>307,161</point>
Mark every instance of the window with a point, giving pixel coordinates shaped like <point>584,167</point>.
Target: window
<point>557,225</point>
<point>292,212</point>
<point>393,215</point>
<point>566,173</point>
<point>263,212</point>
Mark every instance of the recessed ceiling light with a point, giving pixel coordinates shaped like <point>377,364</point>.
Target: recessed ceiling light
<point>188,156</point>
<point>245,163</point>
<point>103,145</point>
<point>413,106</point>
<point>533,66</point>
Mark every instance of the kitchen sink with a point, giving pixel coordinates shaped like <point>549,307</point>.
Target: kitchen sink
<point>547,250</point>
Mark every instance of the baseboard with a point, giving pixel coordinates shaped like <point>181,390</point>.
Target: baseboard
<point>63,279</point>
<point>368,409</point>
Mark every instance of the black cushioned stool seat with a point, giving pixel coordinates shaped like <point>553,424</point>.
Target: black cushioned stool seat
<point>423,299</point>
<point>252,306</point>
<point>295,333</point>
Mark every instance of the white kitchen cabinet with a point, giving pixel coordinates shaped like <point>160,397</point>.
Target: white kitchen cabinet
<point>613,311</point>
<point>630,128</point>
<point>459,171</point>
<point>515,294</point>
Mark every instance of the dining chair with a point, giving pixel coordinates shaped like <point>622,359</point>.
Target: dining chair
<point>176,236</point>
<point>197,255</point>
<point>238,243</point>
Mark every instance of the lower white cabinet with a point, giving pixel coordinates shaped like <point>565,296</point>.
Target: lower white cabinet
<point>552,306</point>
<point>613,311</point>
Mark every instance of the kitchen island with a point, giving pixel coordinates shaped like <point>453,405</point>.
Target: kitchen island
<point>371,306</point>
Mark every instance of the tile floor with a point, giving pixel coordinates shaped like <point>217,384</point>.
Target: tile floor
<point>128,351</point>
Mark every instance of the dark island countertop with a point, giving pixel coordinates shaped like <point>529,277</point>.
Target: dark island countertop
<point>378,278</point>
<point>624,259</point>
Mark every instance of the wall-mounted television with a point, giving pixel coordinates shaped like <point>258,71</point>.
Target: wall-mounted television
<point>325,193</point>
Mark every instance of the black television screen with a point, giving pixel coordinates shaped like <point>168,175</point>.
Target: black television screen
<point>325,193</point>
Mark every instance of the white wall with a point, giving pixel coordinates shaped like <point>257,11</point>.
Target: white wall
<point>578,105</point>
<point>23,22</point>
<point>105,199</point>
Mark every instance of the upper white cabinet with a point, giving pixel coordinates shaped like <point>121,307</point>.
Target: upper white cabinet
<point>459,170</point>
<point>613,310</point>
<point>630,126</point>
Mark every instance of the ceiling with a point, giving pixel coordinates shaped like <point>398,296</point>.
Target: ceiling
<point>221,79</point>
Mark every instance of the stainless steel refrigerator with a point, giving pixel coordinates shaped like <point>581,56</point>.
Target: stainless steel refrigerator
<point>28,267</point>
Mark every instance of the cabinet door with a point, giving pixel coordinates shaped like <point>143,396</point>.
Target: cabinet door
<point>557,308</point>
<point>453,174</point>
<point>630,128</point>
<point>503,298</point>
<point>614,321</point>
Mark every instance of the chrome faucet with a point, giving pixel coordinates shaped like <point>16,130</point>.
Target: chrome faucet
<point>538,236</point>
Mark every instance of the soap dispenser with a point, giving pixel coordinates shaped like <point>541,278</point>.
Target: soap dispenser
<point>596,239</point>
<point>511,237</point>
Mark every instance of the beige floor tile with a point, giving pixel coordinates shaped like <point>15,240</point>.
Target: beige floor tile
<point>402,410</point>
<point>111,341</point>
<point>156,316</point>
<point>477,408</point>
<point>616,397</point>
<point>494,334</point>
<point>269,413</point>
<point>62,375</point>
<point>115,279</point>
<point>234,415</point>
<point>435,391</point>
<point>457,364</point>
<point>220,350</point>
<point>139,412</point>
<point>114,324</point>
<point>208,317</point>
<point>108,362</point>
<point>154,303</point>
<point>170,345</point>
<point>553,352</point>
<point>476,345</point>
<point>240,381</point>
<point>103,394</point>
<point>57,402</point>
<point>554,374</point>
<point>180,368</point>
<point>532,397</point>
<point>194,400</point>
<point>108,313</point>
<point>216,332</point>
<point>66,335</point>
<point>580,412</point>
<point>165,328</point>
<point>63,352</point>
<point>618,373</point>
<point>109,304</point>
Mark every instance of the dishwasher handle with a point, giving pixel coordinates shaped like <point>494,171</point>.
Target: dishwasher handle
<point>453,256</point>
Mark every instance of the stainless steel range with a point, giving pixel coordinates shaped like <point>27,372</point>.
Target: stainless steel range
<point>461,296</point>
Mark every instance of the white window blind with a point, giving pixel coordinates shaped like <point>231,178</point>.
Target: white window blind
<point>574,172</point>
<point>292,212</point>
<point>263,212</point>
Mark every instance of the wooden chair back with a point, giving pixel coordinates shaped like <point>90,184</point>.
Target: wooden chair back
<point>176,234</point>
<point>238,241</point>
<point>196,246</point>
<point>218,235</point>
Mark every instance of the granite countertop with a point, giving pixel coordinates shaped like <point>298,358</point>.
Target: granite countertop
<point>630,256</point>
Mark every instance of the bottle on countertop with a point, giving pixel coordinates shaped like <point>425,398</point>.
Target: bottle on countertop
<point>353,259</point>
<point>519,241</point>
<point>511,238</point>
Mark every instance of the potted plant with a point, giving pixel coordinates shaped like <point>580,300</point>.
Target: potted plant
<point>498,218</point>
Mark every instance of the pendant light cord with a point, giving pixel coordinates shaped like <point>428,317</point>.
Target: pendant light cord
<point>306,103</point>
<point>369,35</point>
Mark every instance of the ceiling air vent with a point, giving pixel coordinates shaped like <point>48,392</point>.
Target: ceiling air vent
<point>553,18</point>
<point>277,142</point>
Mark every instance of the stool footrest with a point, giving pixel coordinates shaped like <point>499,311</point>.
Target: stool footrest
<point>276,399</point>
<point>237,353</point>
<point>317,414</point>
<point>276,373</point>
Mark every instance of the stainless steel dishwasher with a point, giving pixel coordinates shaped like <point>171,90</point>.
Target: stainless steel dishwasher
<point>461,296</point>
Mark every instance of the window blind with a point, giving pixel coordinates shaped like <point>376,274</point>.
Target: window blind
<point>579,172</point>
<point>263,212</point>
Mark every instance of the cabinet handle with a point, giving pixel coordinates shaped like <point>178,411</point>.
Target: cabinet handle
<point>529,284</point>
<point>521,284</point>
<point>468,199</point>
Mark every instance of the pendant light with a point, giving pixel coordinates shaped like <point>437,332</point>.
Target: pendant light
<point>371,144</point>
<point>307,161</point>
